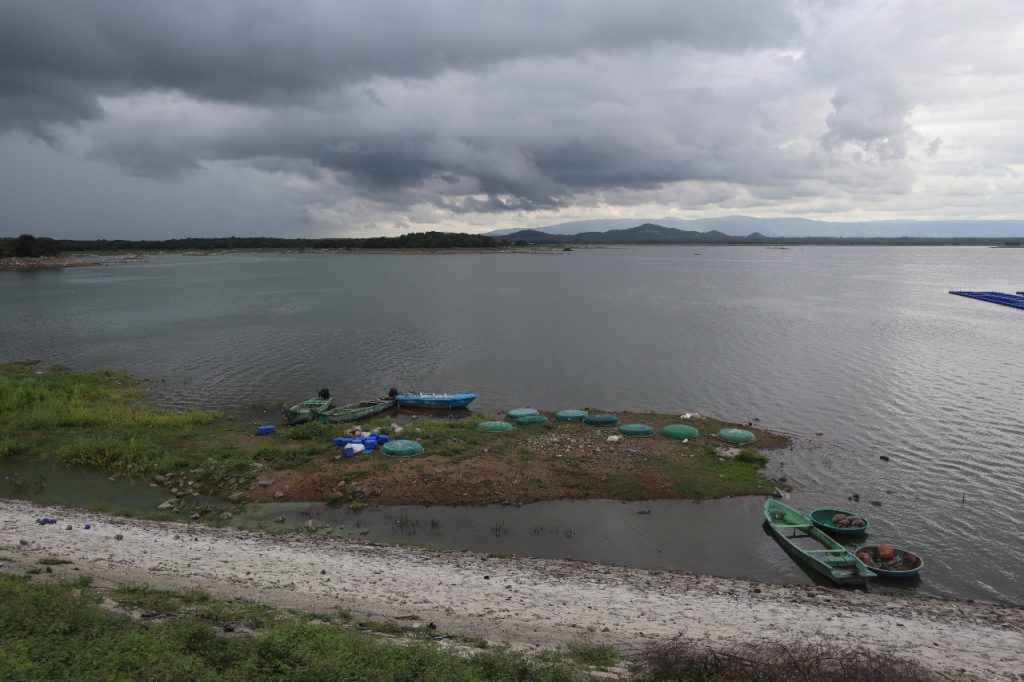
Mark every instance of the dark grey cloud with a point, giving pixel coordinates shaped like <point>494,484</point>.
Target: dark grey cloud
<point>267,51</point>
<point>409,115</point>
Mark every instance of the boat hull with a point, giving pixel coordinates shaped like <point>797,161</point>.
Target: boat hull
<point>435,400</point>
<point>833,561</point>
<point>354,411</point>
<point>912,572</point>
<point>822,518</point>
<point>307,410</point>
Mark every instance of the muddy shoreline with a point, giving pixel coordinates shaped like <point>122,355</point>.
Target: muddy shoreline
<point>525,602</point>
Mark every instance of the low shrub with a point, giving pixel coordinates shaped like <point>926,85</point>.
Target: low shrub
<point>684,659</point>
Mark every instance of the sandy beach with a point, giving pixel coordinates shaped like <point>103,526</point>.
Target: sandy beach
<point>524,602</point>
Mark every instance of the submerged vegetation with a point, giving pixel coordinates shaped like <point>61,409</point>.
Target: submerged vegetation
<point>101,419</point>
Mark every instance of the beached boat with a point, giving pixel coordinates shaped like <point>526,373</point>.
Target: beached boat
<point>441,400</point>
<point>828,557</point>
<point>823,519</point>
<point>355,411</point>
<point>306,411</point>
<point>903,564</point>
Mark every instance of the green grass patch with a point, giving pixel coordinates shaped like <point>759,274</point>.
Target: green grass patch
<point>99,419</point>
<point>752,456</point>
<point>586,652</point>
<point>702,476</point>
<point>625,486</point>
<point>58,631</point>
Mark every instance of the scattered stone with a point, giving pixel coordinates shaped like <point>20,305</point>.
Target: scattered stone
<point>195,517</point>
<point>876,503</point>
<point>22,542</point>
<point>225,516</point>
<point>69,528</point>
<point>884,458</point>
<point>168,504</point>
<point>49,570</point>
<point>235,497</point>
<point>278,494</point>
<point>280,519</point>
<point>856,497</point>
<point>119,537</point>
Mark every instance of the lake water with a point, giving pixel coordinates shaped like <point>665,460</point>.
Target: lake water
<point>862,345</point>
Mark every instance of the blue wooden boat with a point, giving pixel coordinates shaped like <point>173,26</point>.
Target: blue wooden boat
<point>435,400</point>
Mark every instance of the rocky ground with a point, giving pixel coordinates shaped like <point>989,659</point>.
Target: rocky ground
<point>48,262</point>
<point>526,602</point>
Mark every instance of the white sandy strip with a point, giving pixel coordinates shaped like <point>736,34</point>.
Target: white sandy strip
<point>520,601</point>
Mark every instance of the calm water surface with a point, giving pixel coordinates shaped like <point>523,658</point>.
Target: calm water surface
<point>861,345</point>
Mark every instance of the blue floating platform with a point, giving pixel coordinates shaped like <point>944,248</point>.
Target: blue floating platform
<point>1011,300</point>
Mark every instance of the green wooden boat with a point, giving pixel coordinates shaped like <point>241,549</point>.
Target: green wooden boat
<point>355,411</point>
<point>828,557</point>
<point>306,411</point>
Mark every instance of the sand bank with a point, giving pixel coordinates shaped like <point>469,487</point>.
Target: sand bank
<point>525,602</point>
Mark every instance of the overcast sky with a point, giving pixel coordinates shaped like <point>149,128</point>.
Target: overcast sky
<point>154,119</point>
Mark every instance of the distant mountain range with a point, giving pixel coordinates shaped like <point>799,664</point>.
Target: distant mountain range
<point>792,227</point>
<point>649,233</point>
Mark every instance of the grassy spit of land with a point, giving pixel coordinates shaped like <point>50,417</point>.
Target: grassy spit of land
<point>101,419</point>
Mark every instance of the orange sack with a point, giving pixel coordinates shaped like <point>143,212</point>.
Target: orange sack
<point>886,551</point>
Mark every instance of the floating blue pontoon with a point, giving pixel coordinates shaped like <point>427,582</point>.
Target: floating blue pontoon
<point>1011,300</point>
<point>441,400</point>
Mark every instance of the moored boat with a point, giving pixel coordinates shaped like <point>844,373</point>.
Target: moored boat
<point>355,411</point>
<point>901,564</point>
<point>438,400</point>
<point>829,558</point>
<point>825,519</point>
<point>306,411</point>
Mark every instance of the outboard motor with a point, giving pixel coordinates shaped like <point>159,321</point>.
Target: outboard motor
<point>324,393</point>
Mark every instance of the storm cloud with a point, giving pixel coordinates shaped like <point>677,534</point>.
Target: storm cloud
<point>357,117</point>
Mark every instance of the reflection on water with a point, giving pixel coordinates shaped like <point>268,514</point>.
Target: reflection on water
<point>861,345</point>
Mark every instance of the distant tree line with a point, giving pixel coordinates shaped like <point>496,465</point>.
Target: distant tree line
<point>28,246</point>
